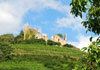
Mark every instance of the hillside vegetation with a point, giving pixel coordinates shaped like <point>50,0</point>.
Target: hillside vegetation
<point>33,49</point>
<point>41,57</point>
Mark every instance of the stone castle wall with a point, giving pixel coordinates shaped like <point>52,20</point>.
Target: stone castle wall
<point>54,38</point>
<point>35,32</point>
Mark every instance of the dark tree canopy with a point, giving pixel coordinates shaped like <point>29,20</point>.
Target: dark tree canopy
<point>92,10</point>
<point>60,35</point>
<point>19,37</point>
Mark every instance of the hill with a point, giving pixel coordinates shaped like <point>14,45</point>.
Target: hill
<point>41,57</point>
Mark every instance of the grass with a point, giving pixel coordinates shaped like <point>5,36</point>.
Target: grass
<point>47,50</point>
<point>41,57</point>
<point>28,62</point>
<point>22,65</point>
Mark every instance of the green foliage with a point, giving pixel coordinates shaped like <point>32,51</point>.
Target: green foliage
<point>5,51</point>
<point>42,57</point>
<point>34,41</point>
<point>19,38</point>
<point>22,63</point>
<point>9,38</point>
<point>47,50</point>
<point>35,62</point>
<point>92,57</point>
<point>69,46</point>
<point>29,32</point>
<point>92,10</point>
<point>56,63</point>
<point>60,35</point>
<point>50,42</point>
<point>91,39</point>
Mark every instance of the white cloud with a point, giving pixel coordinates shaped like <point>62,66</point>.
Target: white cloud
<point>70,21</point>
<point>12,12</point>
<point>83,41</point>
<point>8,20</point>
<point>73,23</point>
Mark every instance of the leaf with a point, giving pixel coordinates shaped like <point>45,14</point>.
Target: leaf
<point>84,49</point>
<point>91,39</point>
<point>87,6</point>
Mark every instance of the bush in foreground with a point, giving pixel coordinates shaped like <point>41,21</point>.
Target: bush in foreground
<point>92,57</point>
<point>5,51</point>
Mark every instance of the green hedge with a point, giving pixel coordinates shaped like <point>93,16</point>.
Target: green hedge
<point>69,45</point>
<point>50,42</point>
<point>34,41</point>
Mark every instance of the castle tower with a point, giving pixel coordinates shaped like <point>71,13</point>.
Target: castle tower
<point>65,38</point>
<point>26,27</point>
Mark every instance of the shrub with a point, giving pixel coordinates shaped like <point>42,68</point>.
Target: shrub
<point>19,38</point>
<point>91,57</point>
<point>69,45</point>
<point>9,38</point>
<point>53,43</point>
<point>5,51</point>
<point>58,43</point>
<point>30,32</point>
<point>34,41</point>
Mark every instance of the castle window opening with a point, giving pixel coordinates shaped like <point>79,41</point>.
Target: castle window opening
<point>43,36</point>
<point>36,37</point>
<point>58,40</point>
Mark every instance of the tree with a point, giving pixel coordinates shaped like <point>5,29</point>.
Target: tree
<point>92,10</point>
<point>92,22</point>
<point>60,35</point>
<point>91,57</point>
<point>19,38</point>
<point>9,38</point>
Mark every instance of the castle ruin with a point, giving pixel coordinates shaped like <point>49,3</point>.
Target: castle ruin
<point>55,38</point>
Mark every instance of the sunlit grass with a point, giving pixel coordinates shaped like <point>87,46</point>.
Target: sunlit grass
<point>44,49</point>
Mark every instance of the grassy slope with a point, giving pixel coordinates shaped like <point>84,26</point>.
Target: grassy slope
<point>22,65</point>
<point>47,50</point>
<point>40,57</point>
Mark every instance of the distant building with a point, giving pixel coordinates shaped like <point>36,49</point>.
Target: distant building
<point>55,38</point>
<point>35,32</point>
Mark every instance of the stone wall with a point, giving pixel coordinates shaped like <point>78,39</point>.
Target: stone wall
<point>56,38</point>
<point>26,27</point>
<point>45,37</point>
<point>35,32</point>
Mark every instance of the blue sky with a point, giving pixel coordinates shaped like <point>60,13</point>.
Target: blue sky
<point>48,16</point>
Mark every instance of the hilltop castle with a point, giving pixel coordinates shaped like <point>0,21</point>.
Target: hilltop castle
<point>28,34</point>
